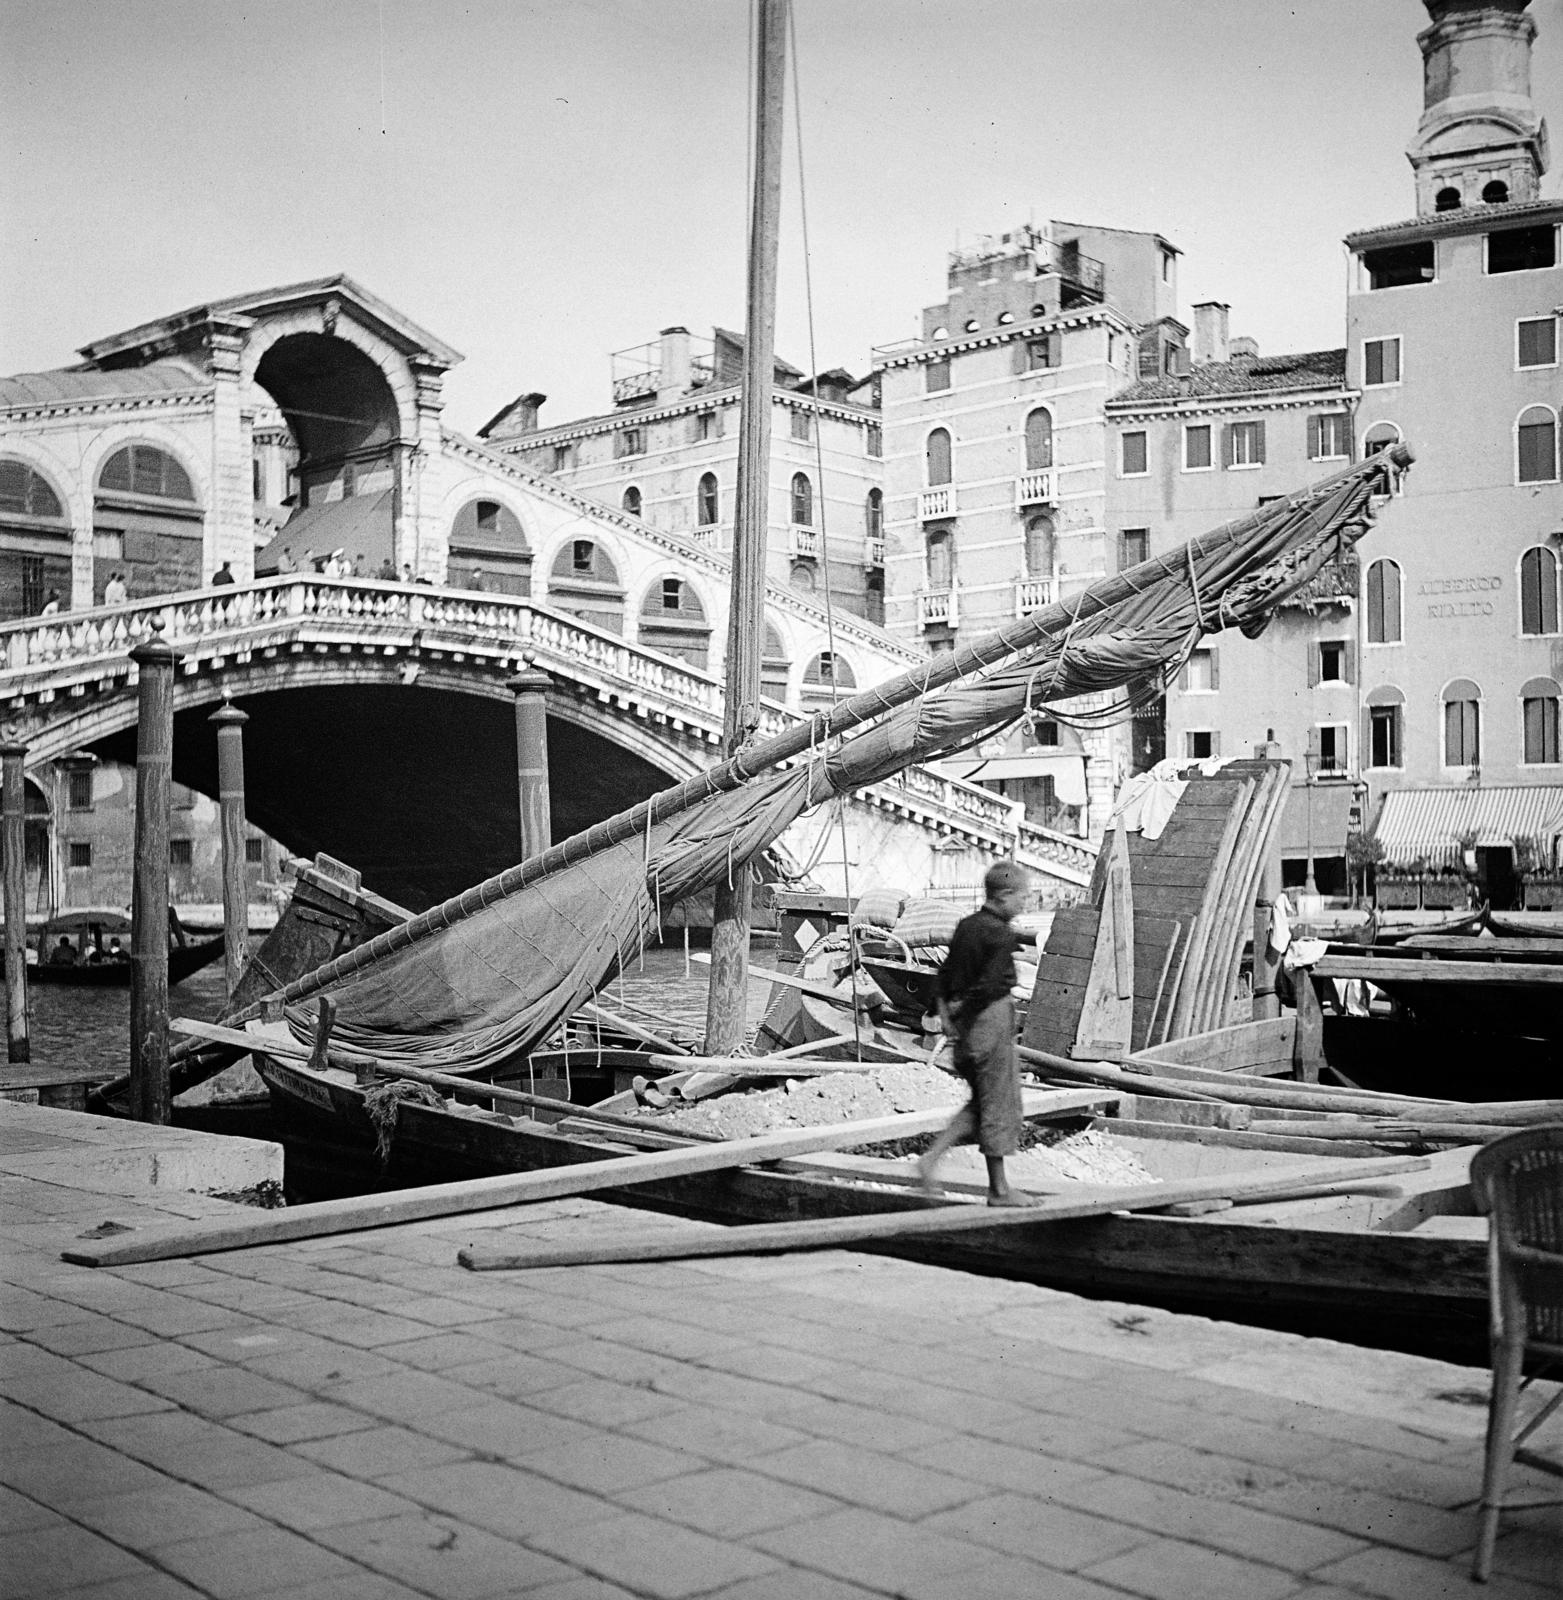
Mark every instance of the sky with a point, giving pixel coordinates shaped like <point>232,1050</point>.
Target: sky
<point>542,182</point>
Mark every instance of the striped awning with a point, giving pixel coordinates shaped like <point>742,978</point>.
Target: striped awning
<point>1429,823</point>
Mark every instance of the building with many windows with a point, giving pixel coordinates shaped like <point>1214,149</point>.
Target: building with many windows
<point>995,463</point>
<point>1429,674</point>
<point>668,453</point>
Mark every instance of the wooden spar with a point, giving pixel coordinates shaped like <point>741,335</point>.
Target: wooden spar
<point>229,722</point>
<point>478,1088</point>
<point>12,763</point>
<point>1267,960</point>
<point>1430,969</point>
<point>155,660</point>
<point>830,1232</point>
<point>847,1002</point>
<point>868,705</point>
<point>328,1217</point>
<point>728,996</point>
<point>600,1013</point>
<point>1396,1130</point>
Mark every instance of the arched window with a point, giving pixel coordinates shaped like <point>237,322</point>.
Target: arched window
<point>774,665</point>
<point>25,492</point>
<point>1539,720</point>
<point>584,581</point>
<point>708,510</point>
<point>874,514</point>
<point>488,550</point>
<point>938,457</point>
<point>1383,733</point>
<point>1041,557</point>
<point>1380,437</point>
<point>1447,200</point>
<point>941,559</point>
<point>630,500</point>
<point>801,577</point>
<point>673,620</point>
<point>1039,440</point>
<point>1536,445</point>
<point>829,669</point>
<point>1383,603</point>
<point>1538,591</point>
<point>802,501</point>
<point>145,470</point>
<point>1495,193</point>
<point>1462,724</point>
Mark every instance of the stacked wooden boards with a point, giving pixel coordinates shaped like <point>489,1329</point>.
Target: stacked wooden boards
<point>1193,890</point>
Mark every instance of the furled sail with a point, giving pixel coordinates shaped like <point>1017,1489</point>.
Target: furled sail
<point>485,976</point>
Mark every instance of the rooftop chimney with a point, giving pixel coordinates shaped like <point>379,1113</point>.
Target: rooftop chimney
<point>1210,332</point>
<point>1242,348</point>
<point>674,362</point>
<point>519,417</point>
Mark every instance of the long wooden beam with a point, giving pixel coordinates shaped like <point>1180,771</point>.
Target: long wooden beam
<point>833,1232</point>
<point>1438,969</point>
<point>485,1194</point>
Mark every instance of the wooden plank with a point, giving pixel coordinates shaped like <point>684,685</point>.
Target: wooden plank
<point>1389,969</point>
<point>834,1232</point>
<point>328,1217</point>
<point>1486,945</point>
<point>1106,1024</point>
<point>1228,1049</point>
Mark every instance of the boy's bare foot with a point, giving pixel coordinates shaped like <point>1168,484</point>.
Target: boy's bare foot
<point>1016,1199</point>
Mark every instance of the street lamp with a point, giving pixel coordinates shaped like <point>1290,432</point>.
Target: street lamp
<point>1312,760</point>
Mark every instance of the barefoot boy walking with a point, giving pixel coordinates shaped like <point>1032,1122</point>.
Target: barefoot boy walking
<point>974,1001</point>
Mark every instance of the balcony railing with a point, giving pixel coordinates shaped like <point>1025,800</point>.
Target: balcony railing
<point>1035,488</point>
<point>939,608</point>
<point>932,504</point>
<point>804,542</point>
<point>710,536</point>
<point>874,550</point>
<point>1031,594</point>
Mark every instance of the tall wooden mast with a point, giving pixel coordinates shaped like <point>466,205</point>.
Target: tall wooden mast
<point>726,1003</point>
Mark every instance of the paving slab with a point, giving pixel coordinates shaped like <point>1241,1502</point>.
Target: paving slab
<point>358,1419</point>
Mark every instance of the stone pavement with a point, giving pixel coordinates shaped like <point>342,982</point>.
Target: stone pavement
<point>360,1419</point>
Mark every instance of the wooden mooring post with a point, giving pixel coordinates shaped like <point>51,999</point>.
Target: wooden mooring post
<point>530,687</point>
<point>149,1092</point>
<point>229,722</point>
<point>18,1049</point>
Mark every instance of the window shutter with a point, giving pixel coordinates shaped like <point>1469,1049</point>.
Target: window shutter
<point>1215,742</point>
<point>1020,356</point>
<point>1259,441</point>
<point>1315,665</point>
<point>1055,348</point>
<point>1315,438</point>
<point>1226,444</point>
<point>1183,678</point>
<point>1215,669</point>
<point>1349,663</point>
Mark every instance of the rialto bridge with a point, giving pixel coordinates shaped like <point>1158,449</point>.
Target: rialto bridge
<point>382,731</point>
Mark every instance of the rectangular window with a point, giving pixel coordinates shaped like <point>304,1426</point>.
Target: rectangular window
<point>630,442</point>
<point>1132,458</point>
<point>1134,546</point>
<point>255,852</point>
<point>80,854</point>
<point>1329,436</point>
<point>1202,675</point>
<point>1198,743</point>
<point>704,426</point>
<point>873,440</point>
<point>1045,351</point>
<point>1046,733</point>
<point>1541,731</point>
<point>1381,361</point>
<point>1536,342</point>
<point>561,458</point>
<point>32,585</point>
<point>80,791</point>
<point>1332,747</point>
<point>180,853</point>
<point>672,593</point>
<point>1462,733</point>
<point>937,375</point>
<point>583,556</point>
<point>1196,447</point>
<point>1332,661</point>
<point>1522,249</point>
<point>802,426</point>
<point>1384,736</point>
<point>1399,264</point>
<point>257,479</point>
<point>1245,444</point>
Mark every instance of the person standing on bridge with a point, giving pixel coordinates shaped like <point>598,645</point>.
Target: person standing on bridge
<point>974,1004</point>
<point>223,575</point>
<point>115,592</point>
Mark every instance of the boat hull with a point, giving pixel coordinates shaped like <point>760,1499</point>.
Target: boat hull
<point>1357,1284</point>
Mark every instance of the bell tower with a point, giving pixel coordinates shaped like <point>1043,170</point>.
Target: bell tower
<point>1480,140</point>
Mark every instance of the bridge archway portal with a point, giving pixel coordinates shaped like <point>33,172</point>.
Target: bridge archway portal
<point>417,789</point>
